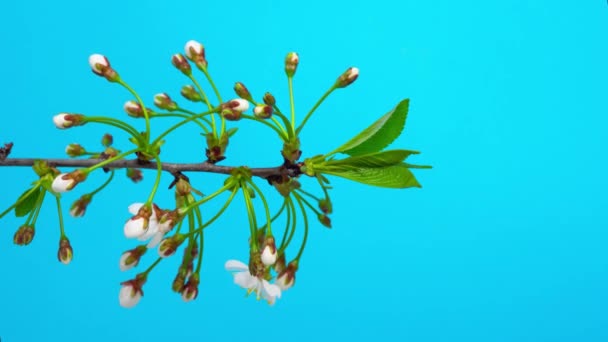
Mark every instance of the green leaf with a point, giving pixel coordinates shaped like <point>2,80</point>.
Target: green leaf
<point>396,176</point>
<point>27,201</point>
<point>380,134</point>
<point>372,160</point>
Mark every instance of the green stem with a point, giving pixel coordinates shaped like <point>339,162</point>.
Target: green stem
<point>60,215</point>
<point>290,130</point>
<point>292,103</point>
<point>250,117</point>
<point>252,219</point>
<point>294,223</point>
<point>103,185</point>
<point>21,199</point>
<point>217,94</point>
<point>200,252</point>
<point>143,107</point>
<point>308,194</point>
<point>266,208</point>
<point>314,108</point>
<point>298,199</point>
<point>218,214</point>
<point>209,197</point>
<point>179,124</point>
<point>176,115</point>
<point>33,218</point>
<point>159,172</point>
<point>110,160</point>
<point>287,226</point>
<point>200,90</point>
<point>322,185</point>
<point>308,204</point>
<point>115,123</point>
<point>147,271</point>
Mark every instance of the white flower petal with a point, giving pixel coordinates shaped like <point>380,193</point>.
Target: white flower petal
<point>270,291</point>
<point>60,121</point>
<point>268,256</point>
<point>156,239</point>
<point>245,280</point>
<point>123,262</point>
<point>134,228</point>
<point>134,208</point>
<point>60,184</point>
<point>235,265</point>
<point>152,230</point>
<point>127,296</point>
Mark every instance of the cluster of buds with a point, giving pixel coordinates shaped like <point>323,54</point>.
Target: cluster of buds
<point>68,120</point>
<point>101,66</point>
<point>65,252</point>
<point>67,181</point>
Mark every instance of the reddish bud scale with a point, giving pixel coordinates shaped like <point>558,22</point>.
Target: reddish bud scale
<point>181,63</point>
<point>65,252</point>
<point>242,91</point>
<point>24,235</point>
<point>269,99</point>
<point>135,175</point>
<point>107,140</point>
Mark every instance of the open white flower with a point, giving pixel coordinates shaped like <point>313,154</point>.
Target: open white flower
<point>261,287</point>
<point>154,233</point>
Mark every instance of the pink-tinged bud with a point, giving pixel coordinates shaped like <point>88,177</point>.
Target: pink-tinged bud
<point>24,235</point>
<point>287,278</point>
<point>101,67</point>
<point>67,181</point>
<point>269,251</point>
<point>135,175</point>
<point>190,290</point>
<point>169,245</point>
<point>131,292</point>
<point>179,61</point>
<point>239,105</point>
<point>163,101</point>
<point>262,111</point>
<point>191,94</point>
<point>195,52</point>
<point>107,140</point>
<point>291,63</point>
<point>74,150</point>
<point>65,252</point>
<point>348,77</point>
<point>130,258</point>
<point>325,220</point>
<point>79,207</point>
<point>134,109</point>
<point>269,99</point>
<point>242,91</point>
<point>67,120</point>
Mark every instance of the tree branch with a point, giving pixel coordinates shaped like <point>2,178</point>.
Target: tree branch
<point>262,172</point>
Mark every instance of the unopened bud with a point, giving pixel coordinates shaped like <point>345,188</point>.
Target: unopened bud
<point>101,67</point>
<point>42,168</point>
<point>179,61</point>
<point>269,99</point>
<point>269,251</point>
<point>262,111</point>
<point>231,114</point>
<point>325,206</point>
<point>130,258</point>
<point>168,246</point>
<point>134,109</point>
<point>191,94</point>
<point>107,140</point>
<point>348,77</point>
<point>325,220</point>
<point>79,207</point>
<point>242,91</point>
<point>67,181</point>
<point>190,290</point>
<point>195,52</point>
<point>163,101</point>
<point>65,252</point>
<point>67,120</point>
<point>291,63</point>
<point>74,150</point>
<point>24,235</point>
<point>182,187</point>
<point>135,175</point>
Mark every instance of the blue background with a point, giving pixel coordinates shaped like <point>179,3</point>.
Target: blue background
<point>505,242</point>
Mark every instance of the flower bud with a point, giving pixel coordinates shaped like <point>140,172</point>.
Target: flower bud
<point>65,252</point>
<point>74,150</point>
<point>135,175</point>
<point>182,187</point>
<point>269,99</point>
<point>107,140</point>
<point>262,111</point>
<point>180,280</point>
<point>67,181</point>
<point>287,278</point>
<point>24,235</point>
<point>66,120</point>
<point>242,91</point>
<point>291,63</point>
<point>133,109</point>
<point>101,67</point>
<point>237,105</point>
<point>325,206</point>
<point>195,52</point>
<point>169,245</point>
<point>269,252</point>
<point>131,292</point>
<point>190,290</point>
<point>325,220</point>
<point>163,101</point>
<point>137,225</point>
<point>79,207</point>
<point>231,114</point>
<point>130,258</point>
<point>179,61</point>
<point>280,265</point>
<point>348,77</point>
<point>191,94</point>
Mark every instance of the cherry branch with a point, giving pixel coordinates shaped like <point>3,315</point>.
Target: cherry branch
<point>173,168</point>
